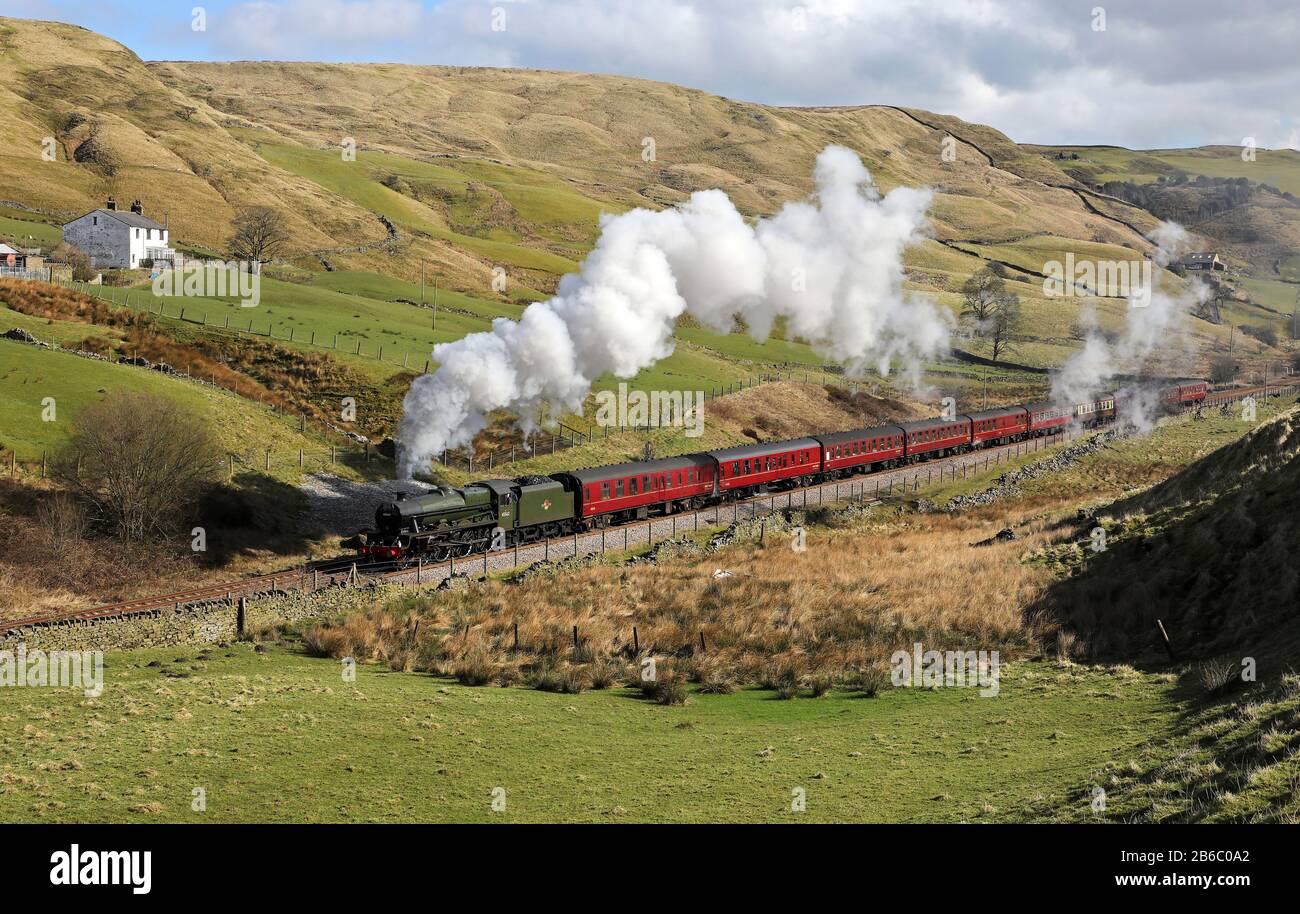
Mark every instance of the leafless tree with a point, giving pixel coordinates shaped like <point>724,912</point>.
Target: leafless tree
<point>1223,369</point>
<point>79,260</point>
<point>138,461</point>
<point>990,310</point>
<point>257,235</point>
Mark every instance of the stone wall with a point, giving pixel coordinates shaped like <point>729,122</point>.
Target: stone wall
<point>200,622</point>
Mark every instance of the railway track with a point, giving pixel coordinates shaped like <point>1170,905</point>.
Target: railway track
<point>345,569</point>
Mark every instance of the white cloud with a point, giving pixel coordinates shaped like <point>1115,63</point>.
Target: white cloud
<point>1163,73</point>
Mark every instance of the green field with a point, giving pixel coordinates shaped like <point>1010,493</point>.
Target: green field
<point>531,194</point>
<point>1278,167</point>
<point>277,736</point>
<point>22,232</point>
<point>29,374</point>
<point>344,310</point>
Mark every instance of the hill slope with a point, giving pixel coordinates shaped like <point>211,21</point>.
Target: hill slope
<point>1210,552</point>
<point>462,172</point>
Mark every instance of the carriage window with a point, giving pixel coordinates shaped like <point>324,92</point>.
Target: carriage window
<point>735,468</point>
<point>618,488</point>
<point>604,490</point>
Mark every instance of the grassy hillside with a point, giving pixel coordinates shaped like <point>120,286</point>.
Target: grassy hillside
<point>1262,235</point>
<point>463,171</point>
<point>30,374</point>
<point>1209,552</point>
<point>394,747</point>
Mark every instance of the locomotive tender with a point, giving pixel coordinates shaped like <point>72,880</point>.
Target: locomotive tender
<point>501,513</point>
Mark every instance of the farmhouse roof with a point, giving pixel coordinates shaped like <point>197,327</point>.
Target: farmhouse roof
<point>135,220</point>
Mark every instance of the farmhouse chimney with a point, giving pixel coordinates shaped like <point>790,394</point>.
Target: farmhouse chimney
<point>137,207</point>
<point>111,205</point>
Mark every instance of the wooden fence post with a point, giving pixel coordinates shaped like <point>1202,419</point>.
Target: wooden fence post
<point>1169,647</point>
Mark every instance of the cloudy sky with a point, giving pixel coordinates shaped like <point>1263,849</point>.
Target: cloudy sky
<point>1142,73</point>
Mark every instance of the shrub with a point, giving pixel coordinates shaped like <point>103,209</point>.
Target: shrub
<point>713,676</point>
<point>784,675</point>
<point>1223,369</point>
<point>140,462</point>
<point>820,685</point>
<point>669,687</point>
<point>325,641</point>
<point>1266,335</point>
<point>563,678</point>
<point>1215,676</point>
<point>603,673</point>
<point>872,680</point>
<point>474,668</point>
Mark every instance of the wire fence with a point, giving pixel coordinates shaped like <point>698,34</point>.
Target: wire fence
<point>543,443</point>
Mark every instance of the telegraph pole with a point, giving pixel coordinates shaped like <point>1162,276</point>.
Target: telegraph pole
<point>435,304</point>
<point>421,283</point>
<point>1295,316</point>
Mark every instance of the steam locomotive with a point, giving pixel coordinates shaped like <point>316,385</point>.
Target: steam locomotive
<point>502,513</point>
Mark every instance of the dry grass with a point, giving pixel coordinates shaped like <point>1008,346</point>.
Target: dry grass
<point>797,623</point>
<point>47,565</point>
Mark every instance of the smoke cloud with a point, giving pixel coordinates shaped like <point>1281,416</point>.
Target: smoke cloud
<point>831,265</point>
<point>1090,371</point>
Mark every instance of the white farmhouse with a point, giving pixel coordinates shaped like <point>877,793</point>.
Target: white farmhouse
<point>119,240</point>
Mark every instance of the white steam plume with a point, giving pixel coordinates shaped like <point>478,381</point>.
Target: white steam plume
<point>832,266</point>
<point>1090,371</point>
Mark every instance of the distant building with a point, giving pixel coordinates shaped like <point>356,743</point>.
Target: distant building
<point>24,264</point>
<point>1204,261</point>
<point>118,240</point>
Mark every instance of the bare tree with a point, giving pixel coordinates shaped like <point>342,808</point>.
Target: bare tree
<point>79,260</point>
<point>1005,323</point>
<point>990,310</point>
<point>139,461</point>
<point>1223,369</point>
<point>257,235</point>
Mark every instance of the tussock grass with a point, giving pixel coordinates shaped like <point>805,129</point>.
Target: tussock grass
<point>795,623</point>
